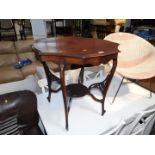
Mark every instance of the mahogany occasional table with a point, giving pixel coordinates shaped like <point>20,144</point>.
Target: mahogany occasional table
<point>79,51</point>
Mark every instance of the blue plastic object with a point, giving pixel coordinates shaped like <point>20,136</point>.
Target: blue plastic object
<point>22,63</point>
<point>146,34</point>
<point>25,62</point>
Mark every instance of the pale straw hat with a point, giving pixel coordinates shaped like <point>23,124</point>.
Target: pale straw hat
<point>136,59</point>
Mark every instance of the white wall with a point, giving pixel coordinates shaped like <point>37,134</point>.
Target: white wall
<point>39,29</point>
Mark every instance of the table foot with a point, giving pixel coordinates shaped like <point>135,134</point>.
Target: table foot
<point>49,98</point>
<point>103,111</point>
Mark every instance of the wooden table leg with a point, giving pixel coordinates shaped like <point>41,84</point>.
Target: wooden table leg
<point>103,86</point>
<point>50,79</point>
<point>80,78</point>
<point>107,82</point>
<point>64,93</point>
<point>46,69</point>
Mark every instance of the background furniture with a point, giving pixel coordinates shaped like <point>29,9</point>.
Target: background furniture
<point>136,59</point>
<point>100,28</point>
<point>7,29</point>
<point>146,32</point>
<point>119,24</point>
<point>26,28</point>
<point>18,113</point>
<point>10,53</point>
<point>62,27</point>
<point>82,27</point>
<point>103,27</point>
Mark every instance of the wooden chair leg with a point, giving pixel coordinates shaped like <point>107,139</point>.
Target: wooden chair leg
<point>21,35</point>
<point>24,35</point>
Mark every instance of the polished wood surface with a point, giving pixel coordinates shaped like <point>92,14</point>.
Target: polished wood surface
<point>75,50</point>
<point>81,51</point>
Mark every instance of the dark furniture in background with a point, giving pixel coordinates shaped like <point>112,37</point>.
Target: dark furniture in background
<point>142,22</point>
<point>135,23</point>
<point>18,113</point>
<point>7,29</point>
<point>61,27</point>
<point>70,27</point>
<point>25,28</point>
<point>79,51</point>
<point>82,27</point>
<point>102,27</point>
